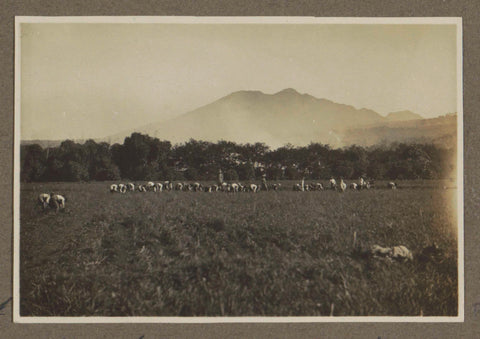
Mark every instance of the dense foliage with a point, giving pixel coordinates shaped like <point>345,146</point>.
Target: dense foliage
<point>142,157</point>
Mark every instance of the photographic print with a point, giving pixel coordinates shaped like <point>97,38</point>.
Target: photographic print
<point>238,169</point>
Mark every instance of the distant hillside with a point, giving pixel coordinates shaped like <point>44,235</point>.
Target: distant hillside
<point>290,117</point>
<point>441,131</point>
<point>251,116</point>
<point>403,116</point>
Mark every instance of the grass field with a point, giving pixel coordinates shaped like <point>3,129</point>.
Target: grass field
<point>266,254</point>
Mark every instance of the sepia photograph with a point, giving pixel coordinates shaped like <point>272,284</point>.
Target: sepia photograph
<point>238,169</point>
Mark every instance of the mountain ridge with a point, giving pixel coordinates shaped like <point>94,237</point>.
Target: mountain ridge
<point>287,116</point>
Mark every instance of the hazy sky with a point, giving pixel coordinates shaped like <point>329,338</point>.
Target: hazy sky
<point>94,80</point>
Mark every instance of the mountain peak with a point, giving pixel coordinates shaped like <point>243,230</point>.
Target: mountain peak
<point>287,91</point>
<point>249,116</point>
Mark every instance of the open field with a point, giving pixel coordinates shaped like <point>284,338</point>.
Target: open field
<point>266,254</point>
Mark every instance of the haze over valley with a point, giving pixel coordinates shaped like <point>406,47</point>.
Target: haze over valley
<point>290,117</point>
<point>298,119</point>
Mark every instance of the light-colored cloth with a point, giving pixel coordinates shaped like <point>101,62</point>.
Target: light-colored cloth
<point>333,183</point>
<point>396,252</point>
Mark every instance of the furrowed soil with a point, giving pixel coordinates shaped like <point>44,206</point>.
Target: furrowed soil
<point>269,253</point>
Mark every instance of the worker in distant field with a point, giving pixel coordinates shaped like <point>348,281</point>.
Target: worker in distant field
<point>264,182</point>
<point>220,177</point>
<point>362,183</point>
<point>305,173</point>
<point>333,183</point>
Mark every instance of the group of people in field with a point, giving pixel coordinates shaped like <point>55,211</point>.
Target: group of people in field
<point>332,185</point>
<point>222,186</point>
<point>57,201</point>
<point>51,201</point>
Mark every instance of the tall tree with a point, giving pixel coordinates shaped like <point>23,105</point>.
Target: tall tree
<point>33,163</point>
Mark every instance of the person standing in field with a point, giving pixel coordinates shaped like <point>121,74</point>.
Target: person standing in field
<point>305,173</point>
<point>361,183</point>
<point>220,177</point>
<point>264,182</point>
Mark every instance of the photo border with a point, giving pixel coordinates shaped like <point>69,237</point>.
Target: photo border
<point>457,21</point>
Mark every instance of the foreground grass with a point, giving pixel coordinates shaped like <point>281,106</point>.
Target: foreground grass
<point>266,254</point>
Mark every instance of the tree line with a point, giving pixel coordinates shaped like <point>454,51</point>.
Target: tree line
<point>142,157</point>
